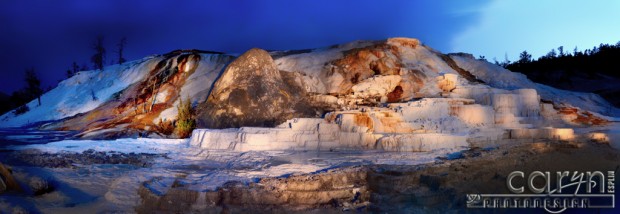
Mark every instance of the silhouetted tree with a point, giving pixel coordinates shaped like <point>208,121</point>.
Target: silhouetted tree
<point>594,50</point>
<point>551,54</point>
<point>73,70</point>
<point>98,58</point>
<point>33,85</point>
<point>84,67</point>
<point>566,70</point>
<point>506,61</point>
<point>69,73</point>
<point>575,51</point>
<point>121,46</point>
<point>75,67</point>
<point>524,57</point>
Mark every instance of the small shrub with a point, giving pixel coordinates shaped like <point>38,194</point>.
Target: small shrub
<point>185,119</point>
<point>185,128</point>
<point>165,127</point>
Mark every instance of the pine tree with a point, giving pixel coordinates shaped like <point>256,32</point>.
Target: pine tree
<point>121,46</point>
<point>98,58</point>
<point>73,70</point>
<point>575,51</point>
<point>525,57</point>
<point>33,85</point>
<point>551,54</point>
<point>75,67</point>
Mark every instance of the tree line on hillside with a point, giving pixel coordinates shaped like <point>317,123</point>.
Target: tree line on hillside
<point>99,57</point>
<point>596,60</point>
<point>571,70</point>
<point>599,59</point>
<point>33,89</point>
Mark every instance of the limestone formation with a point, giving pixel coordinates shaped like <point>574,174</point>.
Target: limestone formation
<point>367,91</point>
<point>252,92</point>
<point>146,107</point>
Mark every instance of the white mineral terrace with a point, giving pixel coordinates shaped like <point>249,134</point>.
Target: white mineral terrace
<point>424,125</point>
<point>463,115</point>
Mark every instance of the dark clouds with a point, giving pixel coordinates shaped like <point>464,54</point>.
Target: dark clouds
<point>50,35</point>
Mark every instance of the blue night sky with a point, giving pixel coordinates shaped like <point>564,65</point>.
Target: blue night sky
<point>50,35</point>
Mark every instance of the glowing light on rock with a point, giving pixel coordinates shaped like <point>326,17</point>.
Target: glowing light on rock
<point>598,137</point>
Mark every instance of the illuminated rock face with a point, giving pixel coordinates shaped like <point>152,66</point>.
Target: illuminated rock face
<point>378,86</point>
<point>461,117</point>
<point>598,137</point>
<point>296,134</point>
<point>454,112</point>
<point>346,96</point>
<point>447,82</point>
<point>544,133</point>
<point>348,130</point>
<point>157,84</point>
<point>421,142</point>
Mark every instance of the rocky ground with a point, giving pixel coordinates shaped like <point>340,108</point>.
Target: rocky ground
<point>33,157</point>
<point>442,186</point>
<point>437,187</point>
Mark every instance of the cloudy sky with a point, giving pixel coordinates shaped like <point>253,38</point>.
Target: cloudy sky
<point>50,35</point>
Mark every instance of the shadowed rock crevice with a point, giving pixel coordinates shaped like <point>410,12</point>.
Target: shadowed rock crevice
<point>464,73</point>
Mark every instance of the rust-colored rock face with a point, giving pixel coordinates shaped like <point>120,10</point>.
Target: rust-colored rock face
<point>405,42</point>
<point>253,92</point>
<point>363,63</point>
<point>379,59</point>
<point>582,117</point>
<point>395,95</point>
<point>136,107</point>
<point>364,120</point>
